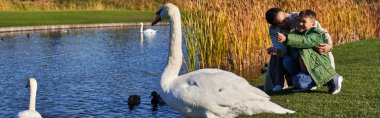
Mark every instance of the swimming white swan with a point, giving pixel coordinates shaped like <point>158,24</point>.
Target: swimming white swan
<point>207,92</point>
<point>147,31</point>
<point>31,113</point>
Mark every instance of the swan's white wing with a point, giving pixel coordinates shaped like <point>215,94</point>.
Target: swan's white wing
<point>213,87</point>
<point>221,82</point>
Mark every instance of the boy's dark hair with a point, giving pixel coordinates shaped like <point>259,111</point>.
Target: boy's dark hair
<point>271,15</point>
<point>308,13</point>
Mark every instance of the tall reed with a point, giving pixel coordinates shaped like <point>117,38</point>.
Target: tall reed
<point>233,35</point>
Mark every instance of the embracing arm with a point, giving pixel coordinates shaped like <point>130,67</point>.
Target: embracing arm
<point>277,48</point>
<point>327,44</point>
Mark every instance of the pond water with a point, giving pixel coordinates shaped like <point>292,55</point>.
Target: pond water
<point>84,73</point>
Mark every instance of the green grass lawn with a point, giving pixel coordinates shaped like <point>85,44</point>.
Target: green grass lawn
<point>33,18</point>
<point>359,64</point>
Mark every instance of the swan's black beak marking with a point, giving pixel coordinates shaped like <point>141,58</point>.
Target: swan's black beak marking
<point>157,18</point>
<point>27,83</point>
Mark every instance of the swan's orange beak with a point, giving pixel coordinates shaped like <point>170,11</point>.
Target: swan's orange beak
<point>156,20</point>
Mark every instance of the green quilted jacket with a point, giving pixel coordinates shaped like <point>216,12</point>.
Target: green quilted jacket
<point>301,47</point>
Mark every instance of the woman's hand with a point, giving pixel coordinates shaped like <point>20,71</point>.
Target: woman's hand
<point>281,37</point>
<point>323,48</point>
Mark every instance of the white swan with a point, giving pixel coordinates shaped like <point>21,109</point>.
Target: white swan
<point>147,31</point>
<point>207,92</point>
<point>31,113</point>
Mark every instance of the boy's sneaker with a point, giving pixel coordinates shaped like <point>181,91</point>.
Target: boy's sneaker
<point>277,88</point>
<point>313,88</point>
<point>331,85</point>
<point>337,83</point>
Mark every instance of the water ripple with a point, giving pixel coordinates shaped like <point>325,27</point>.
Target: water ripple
<point>85,73</point>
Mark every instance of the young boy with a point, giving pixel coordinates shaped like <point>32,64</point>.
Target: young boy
<point>313,69</point>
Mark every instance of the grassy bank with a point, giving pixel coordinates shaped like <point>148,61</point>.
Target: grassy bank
<point>359,64</point>
<point>33,18</point>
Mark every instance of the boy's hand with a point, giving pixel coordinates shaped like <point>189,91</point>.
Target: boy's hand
<point>281,37</point>
<point>272,51</point>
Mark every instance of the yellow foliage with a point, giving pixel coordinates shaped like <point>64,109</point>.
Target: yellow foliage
<point>233,34</point>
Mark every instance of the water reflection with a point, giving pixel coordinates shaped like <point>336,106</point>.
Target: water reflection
<point>83,73</point>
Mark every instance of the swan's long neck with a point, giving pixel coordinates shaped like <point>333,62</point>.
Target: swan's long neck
<point>175,55</point>
<point>141,29</point>
<point>33,93</point>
